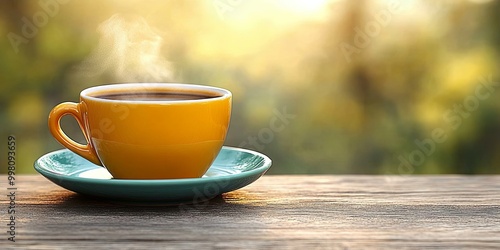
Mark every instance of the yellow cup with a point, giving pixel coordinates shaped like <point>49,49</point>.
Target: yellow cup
<point>148,130</point>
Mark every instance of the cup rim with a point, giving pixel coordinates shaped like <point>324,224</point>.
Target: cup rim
<point>219,93</point>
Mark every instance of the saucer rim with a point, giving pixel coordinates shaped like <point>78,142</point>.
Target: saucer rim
<point>162,188</point>
<point>266,164</point>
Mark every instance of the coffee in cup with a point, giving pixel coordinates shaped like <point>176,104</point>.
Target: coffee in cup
<point>148,130</point>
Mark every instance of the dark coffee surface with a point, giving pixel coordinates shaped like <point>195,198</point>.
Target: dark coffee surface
<point>155,96</point>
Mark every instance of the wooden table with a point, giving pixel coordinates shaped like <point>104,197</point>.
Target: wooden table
<point>276,212</point>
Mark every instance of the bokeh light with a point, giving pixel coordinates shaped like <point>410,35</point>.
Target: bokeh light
<point>365,84</point>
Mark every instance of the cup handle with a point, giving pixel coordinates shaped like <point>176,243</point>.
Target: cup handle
<point>69,108</point>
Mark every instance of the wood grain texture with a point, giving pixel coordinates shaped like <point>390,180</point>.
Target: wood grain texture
<point>276,212</point>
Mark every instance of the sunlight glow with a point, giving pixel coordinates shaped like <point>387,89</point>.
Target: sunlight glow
<point>304,7</point>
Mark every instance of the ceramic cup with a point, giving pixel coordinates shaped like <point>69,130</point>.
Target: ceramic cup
<point>148,130</point>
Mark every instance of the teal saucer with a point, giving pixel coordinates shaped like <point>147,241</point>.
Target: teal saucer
<point>233,168</point>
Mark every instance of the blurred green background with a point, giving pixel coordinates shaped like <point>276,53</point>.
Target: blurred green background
<point>321,86</point>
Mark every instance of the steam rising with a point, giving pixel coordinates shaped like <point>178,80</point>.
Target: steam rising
<point>129,50</point>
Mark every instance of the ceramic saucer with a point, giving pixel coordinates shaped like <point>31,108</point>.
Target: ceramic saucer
<point>233,168</point>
